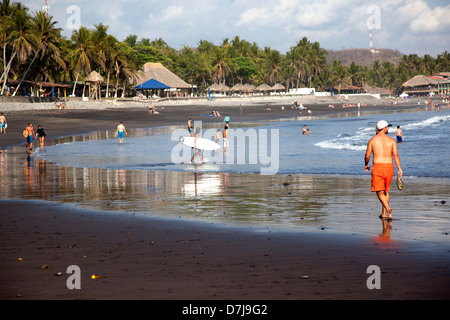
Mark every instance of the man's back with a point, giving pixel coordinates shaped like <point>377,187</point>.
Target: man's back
<point>383,148</point>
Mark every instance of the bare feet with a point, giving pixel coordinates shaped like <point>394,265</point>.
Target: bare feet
<point>389,212</point>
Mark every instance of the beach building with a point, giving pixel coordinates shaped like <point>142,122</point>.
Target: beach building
<point>158,72</point>
<point>421,85</point>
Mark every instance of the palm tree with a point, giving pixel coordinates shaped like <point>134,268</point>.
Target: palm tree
<point>48,40</point>
<point>221,64</point>
<point>83,52</point>
<point>340,73</point>
<point>326,79</point>
<point>6,11</point>
<point>273,64</point>
<point>20,36</point>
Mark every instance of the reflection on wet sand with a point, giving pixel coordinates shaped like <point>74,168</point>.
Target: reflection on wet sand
<point>293,202</point>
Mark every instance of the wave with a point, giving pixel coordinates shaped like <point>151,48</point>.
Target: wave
<point>432,122</point>
<point>356,142</point>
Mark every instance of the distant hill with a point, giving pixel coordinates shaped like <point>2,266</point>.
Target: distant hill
<point>364,57</point>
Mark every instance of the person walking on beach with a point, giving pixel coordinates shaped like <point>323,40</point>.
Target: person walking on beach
<point>383,148</point>
<point>3,123</point>
<point>225,138</point>
<point>227,120</point>
<point>197,152</point>
<point>40,132</point>
<point>28,134</point>
<point>120,131</point>
<point>190,129</point>
<point>399,134</point>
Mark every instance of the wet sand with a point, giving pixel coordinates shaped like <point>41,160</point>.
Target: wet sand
<point>140,257</point>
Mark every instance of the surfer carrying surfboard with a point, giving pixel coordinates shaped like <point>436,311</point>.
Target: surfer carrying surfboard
<point>197,151</point>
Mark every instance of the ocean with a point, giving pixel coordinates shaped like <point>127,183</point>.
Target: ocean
<point>336,145</point>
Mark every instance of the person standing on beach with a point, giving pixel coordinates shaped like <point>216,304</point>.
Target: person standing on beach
<point>383,148</point>
<point>3,123</point>
<point>40,132</point>
<point>399,134</point>
<point>120,131</point>
<point>29,134</point>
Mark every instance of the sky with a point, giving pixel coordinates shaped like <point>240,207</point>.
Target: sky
<point>410,26</point>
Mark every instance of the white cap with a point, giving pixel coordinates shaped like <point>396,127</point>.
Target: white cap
<point>383,124</point>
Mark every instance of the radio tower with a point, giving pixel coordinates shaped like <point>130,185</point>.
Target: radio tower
<point>371,48</point>
<point>46,9</point>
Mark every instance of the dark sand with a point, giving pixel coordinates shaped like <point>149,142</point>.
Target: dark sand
<point>152,258</point>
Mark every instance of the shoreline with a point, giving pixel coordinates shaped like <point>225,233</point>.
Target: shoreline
<point>153,258</point>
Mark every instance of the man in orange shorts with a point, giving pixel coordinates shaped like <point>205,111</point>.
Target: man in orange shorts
<point>384,148</point>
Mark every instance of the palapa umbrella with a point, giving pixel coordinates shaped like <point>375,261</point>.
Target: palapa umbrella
<point>249,87</point>
<point>95,78</point>
<point>263,88</point>
<point>278,87</point>
<point>237,87</point>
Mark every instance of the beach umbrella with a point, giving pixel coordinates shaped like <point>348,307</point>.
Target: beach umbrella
<point>237,87</point>
<point>152,84</point>
<point>249,87</point>
<point>264,88</point>
<point>278,87</point>
<point>214,88</point>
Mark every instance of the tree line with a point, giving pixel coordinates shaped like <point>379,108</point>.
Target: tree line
<point>34,49</point>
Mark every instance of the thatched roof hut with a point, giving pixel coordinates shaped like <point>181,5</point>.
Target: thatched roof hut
<point>157,71</point>
<point>94,76</point>
<point>419,81</point>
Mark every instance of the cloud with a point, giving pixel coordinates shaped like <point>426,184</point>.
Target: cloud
<point>275,23</point>
<point>432,20</point>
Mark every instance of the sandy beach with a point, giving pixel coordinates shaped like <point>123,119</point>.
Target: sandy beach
<point>138,257</point>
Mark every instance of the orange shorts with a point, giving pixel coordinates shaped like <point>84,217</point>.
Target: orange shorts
<point>382,174</point>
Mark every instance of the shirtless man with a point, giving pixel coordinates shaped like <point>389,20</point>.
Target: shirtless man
<point>120,131</point>
<point>31,134</point>
<point>225,138</point>
<point>384,148</point>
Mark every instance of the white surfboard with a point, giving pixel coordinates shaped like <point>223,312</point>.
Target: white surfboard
<point>203,144</point>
